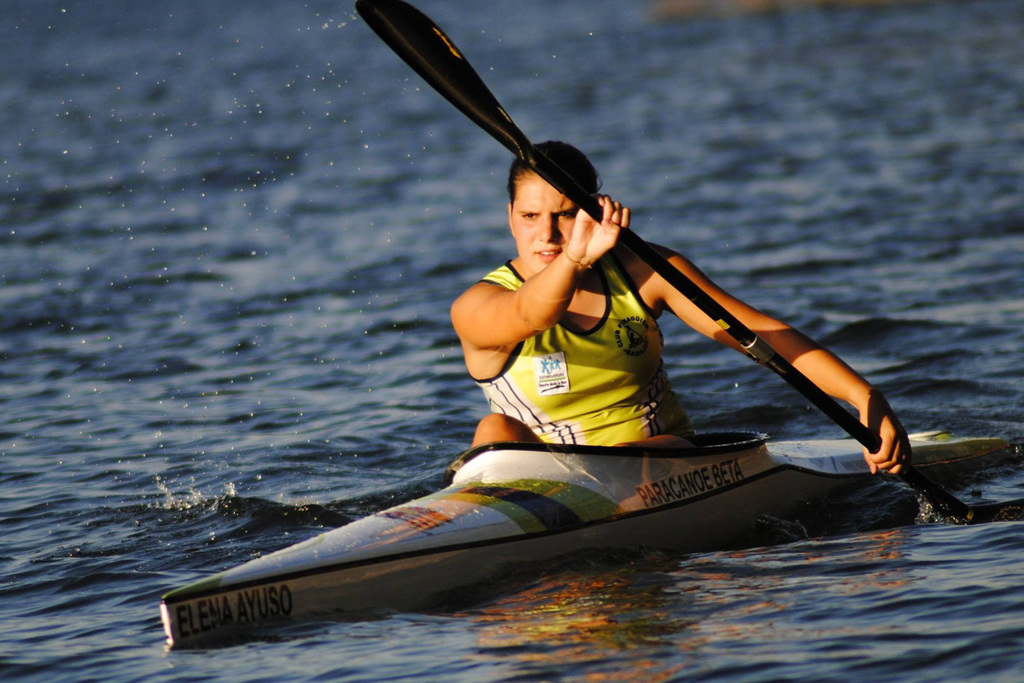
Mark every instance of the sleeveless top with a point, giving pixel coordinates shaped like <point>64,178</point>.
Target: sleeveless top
<point>603,386</point>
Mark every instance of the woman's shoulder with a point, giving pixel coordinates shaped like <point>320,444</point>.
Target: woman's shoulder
<point>504,275</point>
<point>504,278</point>
<point>651,288</point>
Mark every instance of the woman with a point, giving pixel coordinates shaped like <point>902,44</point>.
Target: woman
<point>564,340</point>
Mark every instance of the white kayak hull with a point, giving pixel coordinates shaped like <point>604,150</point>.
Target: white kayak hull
<point>521,503</point>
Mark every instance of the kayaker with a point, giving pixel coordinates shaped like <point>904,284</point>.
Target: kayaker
<point>564,340</point>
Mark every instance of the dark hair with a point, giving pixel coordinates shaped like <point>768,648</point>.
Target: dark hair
<point>568,158</point>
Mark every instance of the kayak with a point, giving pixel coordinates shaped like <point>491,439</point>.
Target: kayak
<point>510,503</point>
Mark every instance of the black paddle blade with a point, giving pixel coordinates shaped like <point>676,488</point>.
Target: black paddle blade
<point>956,511</point>
<point>424,46</point>
<point>1009,511</point>
<point>433,55</point>
<point>939,498</point>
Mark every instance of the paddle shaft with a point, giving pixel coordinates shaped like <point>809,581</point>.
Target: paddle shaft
<point>426,48</point>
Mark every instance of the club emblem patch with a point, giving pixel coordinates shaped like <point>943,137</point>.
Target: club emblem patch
<point>631,335</point>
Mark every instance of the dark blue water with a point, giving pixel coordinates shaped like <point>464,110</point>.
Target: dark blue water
<point>229,236</point>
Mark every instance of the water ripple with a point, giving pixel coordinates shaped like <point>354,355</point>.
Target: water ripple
<point>231,237</point>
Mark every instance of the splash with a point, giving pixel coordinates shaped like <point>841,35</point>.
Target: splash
<point>926,512</point>
<point>192,498</point>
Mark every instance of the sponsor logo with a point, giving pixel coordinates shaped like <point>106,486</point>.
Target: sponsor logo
<point>423,519</point>
<point>552,374</point>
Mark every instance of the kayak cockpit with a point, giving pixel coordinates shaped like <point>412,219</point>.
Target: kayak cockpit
<point>710,444</point>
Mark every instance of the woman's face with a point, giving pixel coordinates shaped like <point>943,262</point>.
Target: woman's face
<point>541,219</point>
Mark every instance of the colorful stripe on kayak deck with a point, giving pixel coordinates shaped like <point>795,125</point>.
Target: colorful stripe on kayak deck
<point>536,505</point>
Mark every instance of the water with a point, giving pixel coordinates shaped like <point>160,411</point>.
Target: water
<point>230,235</point>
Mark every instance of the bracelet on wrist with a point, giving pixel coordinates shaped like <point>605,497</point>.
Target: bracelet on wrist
<point>578,264</point>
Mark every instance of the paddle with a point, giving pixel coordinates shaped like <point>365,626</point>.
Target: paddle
<point>426,48</point>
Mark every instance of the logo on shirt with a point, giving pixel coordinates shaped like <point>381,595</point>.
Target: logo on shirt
<point>552,374</point>
<point>631,335</point>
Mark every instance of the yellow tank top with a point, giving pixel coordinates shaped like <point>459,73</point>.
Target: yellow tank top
<point>604,386</point>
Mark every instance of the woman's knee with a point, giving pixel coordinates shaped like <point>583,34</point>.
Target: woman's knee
<point>498,427</point>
